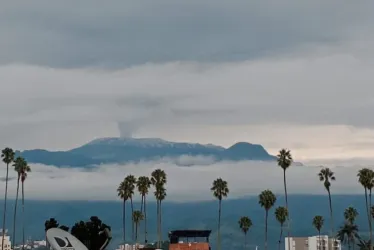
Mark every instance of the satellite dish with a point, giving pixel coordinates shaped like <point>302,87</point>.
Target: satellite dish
<point>59,239</point>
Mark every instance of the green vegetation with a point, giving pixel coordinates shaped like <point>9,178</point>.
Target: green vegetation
<point>348,233</point>
<point>245,224</point>
<point>88,232</point>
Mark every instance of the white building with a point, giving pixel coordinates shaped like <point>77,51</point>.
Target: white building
<point>322,242</point>
<point>7,243</point>
<point>130,247</point>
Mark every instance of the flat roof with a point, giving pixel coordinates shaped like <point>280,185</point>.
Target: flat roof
<point>189,233</point>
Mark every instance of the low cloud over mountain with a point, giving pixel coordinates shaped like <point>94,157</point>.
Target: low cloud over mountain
<point>184,183</point>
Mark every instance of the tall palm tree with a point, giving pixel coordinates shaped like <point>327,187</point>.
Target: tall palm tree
<point>350,215</point>
<point>137,217</point>
<point>131,180</point>
<point>19,164</point>
<point>366,179</point>
<point>281,214</point>
<point>245,223</point>
<point>160,195</point>
<point>26,168</point>
<point>220,190</point>
<point>318,224</point>
<point>284,159</point>
<point>144,184</point>
<point>327,176</point>
<point>123,193</point>
<point>267,200</point>
<point>159,179</point>
<point>348,233</point>
<point>7,155</point>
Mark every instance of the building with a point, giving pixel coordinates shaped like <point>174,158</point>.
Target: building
<point>130,247</point>
<point>7,242</point>
<point>322,242</point>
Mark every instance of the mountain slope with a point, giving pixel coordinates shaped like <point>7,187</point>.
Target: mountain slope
<point>198,215</point>
<point>122,150</point>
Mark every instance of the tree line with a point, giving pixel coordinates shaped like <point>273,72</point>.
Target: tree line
<point>21,167</point>
<point>126,191</point>
<point>348,233</point>
<point>90,232</point>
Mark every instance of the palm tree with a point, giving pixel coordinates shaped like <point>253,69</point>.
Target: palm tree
<point>326,176</point>
<point>144,184</point>
<point>220,190</point>
<point>284,159</point>
<point>318,224</point>
<point>348,233</point>
<point>245,224</point>
<point>281,214</point>
<point>267,200</point>
<point>350,214</point>
<point>25,170</point>
<point>19,164</point>
<point>137,217</point>
<point>366,179</point>
<point>7,155</point>
<point>159,179</point>
<point>131,180</point>
<point>122,192</point>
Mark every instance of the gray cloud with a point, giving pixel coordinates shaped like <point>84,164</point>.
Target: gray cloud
<point>125,33</point>
<point>72,74</point>
<point>244,178</point>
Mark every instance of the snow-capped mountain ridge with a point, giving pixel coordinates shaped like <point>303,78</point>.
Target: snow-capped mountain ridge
<point>147,142</point>
<point>123,150</point>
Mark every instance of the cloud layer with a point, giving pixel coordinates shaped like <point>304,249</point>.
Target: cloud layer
<point>295,74</point>
<point>184,183</point>
<point>125,33</point>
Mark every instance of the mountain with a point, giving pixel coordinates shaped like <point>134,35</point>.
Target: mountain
<point>122,150</point>
<point>196,215</point>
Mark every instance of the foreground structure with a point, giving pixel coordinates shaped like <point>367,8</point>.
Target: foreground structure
<point>189,239</point>
<point>7,242</point>
<point>322,242</point>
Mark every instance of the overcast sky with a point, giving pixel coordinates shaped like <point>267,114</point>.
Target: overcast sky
<point>296,74</point>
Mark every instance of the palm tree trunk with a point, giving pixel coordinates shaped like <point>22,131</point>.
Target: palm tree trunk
<point>23,216</point>
<point>219,225</point>
<point>319,239</point>
<point>280,238</point>
<point>124,220</point>
<point>132,218</point>
<point>5,199</point>
<point>245,240</point>
<point>367,206</point>
<point>158,224</point>
<point>136,232</point>
<point>145,220</point>
<point>331,216</point>
<point>266,230</point>
<point>15,211</point>
<point>288,217</point>
<point>371,219</point>
<point>141,204</point>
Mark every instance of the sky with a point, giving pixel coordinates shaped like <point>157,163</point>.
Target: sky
<point>296,74</point>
